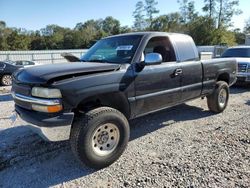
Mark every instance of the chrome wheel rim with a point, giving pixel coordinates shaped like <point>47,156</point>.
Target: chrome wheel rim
<point>7,80</point>
<point>105,139</point>
<point>222,98</point>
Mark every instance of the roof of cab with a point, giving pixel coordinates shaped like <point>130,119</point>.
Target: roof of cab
<point>148,33</point>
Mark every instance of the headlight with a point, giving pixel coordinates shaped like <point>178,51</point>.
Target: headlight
<point>46,92</point>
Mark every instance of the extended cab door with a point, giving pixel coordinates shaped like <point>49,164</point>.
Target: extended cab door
<point>192,72</point>
<point>191,79</point>
<point>158,86</point>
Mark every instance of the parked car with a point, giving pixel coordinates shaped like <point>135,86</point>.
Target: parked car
<point>242,55</point>
<point>120,78</point>
<point>7,68</point>
<point>24,63</point>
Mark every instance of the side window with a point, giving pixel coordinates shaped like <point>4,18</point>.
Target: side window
<point>2,66</point>
<point>18,63</point>
<point>162,46</point>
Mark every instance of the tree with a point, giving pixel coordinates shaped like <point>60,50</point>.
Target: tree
<point>210,8</point>
<point>247,27</point>
<point>161,23</point>
<point>37,41</point>
<point>239,36</point>
<point>2,25</point>
<point>125,29</point>
<point>222,11</point>
<point>17,41</point>
<point>191,12</point>
<point>187,10</point>
<point>223,37</point>
<point>111,25</point>
<point>150,8</point>
<point>139,22</point>
<point>168,23</point>
<point>201,31</point>
<point>94,24</point>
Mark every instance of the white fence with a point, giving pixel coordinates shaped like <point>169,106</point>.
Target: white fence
<point>40,56</point>
<point>247,40</point>
<point>216,50</point>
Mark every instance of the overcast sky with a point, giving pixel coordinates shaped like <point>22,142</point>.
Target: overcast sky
<point>36,14</point>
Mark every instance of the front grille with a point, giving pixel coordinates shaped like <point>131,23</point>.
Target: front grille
<point>242,67</point>
<point>23,104</point>
<point>21,89</point>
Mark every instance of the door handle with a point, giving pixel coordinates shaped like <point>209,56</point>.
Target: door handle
<point>177,72</point>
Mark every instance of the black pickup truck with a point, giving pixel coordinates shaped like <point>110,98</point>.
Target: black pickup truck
<point>120,78</point>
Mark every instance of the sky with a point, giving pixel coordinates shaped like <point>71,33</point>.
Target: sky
<point>36,14</point>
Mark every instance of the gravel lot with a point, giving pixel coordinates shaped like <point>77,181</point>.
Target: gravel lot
<point>185,146</point>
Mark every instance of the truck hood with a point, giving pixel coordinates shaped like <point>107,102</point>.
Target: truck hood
<point>43,73</point>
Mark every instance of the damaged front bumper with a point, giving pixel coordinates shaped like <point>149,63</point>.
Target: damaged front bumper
<point>50,126</point>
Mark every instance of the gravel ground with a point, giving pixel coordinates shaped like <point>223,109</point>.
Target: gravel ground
<point>184,146</point>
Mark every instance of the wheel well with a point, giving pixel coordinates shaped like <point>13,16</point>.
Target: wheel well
<point>224,77</point>
<point>115,100</point>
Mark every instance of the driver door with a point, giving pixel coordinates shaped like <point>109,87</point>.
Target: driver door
<point>158,86</point>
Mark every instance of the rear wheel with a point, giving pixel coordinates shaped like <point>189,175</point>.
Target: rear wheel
<point>99,137</point>
<point>6,80</point>
<point>218,100</point>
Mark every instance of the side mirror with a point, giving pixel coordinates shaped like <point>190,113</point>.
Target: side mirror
<point>153,59</point>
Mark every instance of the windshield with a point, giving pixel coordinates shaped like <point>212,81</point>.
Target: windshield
<point>10,62</point>
<point>120,49</point>
<point>237,52</point>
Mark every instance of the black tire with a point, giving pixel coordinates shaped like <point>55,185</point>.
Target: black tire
<point>85,128</point>
<point>215,101</point>
<point>6,80</point>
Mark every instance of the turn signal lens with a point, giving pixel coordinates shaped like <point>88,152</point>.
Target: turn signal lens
<point>47,109</point>
<point>52,109</point>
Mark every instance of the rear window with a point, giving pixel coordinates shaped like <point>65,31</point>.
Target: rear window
<point>237,52</point>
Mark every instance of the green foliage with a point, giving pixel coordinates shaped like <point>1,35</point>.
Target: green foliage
<point>223,37</point>
<point>239,36</point>
<point>187,10</point>
<point>210,8</point>
<point>140,22</point>
<point>210,28</point>
<point>150,8</point>
<point>143,14</point>
<point>169,23</point>
<point>2,25</point>
<point>201,31</point>
<point>247,27</point>
<point>226,10</point>
<point>111,26</point>
<point>222,11</point>
<point>56,37</point>
<point>17,41</point>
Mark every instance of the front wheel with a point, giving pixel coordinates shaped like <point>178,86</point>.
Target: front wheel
<point>218,100</point>
<point>99,137</point>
